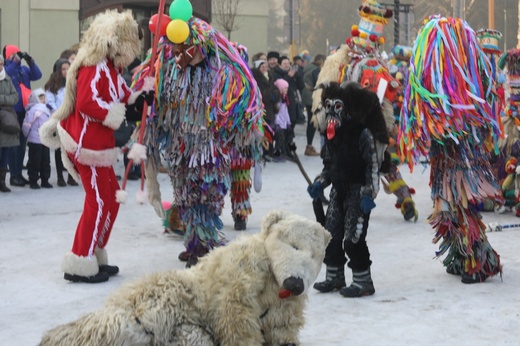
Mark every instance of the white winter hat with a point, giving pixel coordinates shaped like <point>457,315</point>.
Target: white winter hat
<point>35,95</point>
<point>257,63</point>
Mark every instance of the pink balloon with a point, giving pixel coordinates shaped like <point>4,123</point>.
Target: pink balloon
<point>152,24</point>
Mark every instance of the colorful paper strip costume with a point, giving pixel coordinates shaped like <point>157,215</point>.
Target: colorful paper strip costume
<point>447,116</point>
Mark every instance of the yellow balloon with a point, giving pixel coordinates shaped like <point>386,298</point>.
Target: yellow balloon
<point>177,31</point>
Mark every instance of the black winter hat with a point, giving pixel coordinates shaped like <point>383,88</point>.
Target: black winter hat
<point>273,55</point>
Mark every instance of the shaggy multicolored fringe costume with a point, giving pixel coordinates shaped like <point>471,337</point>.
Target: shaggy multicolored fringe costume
<point>368,68</point>
<point>447,115</point>
<point>204,114</point>
<point>240,190</point>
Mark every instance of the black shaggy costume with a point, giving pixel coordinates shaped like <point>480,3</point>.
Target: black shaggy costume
<point>356,139</point>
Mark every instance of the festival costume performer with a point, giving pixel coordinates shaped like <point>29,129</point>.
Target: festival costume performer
<point>84,125</point>
<point>489,39</point>
<point>359,61</point>
<point>509,146</point>
<point>356,139</point>
<point>447,115</point>
<point>209,110</point>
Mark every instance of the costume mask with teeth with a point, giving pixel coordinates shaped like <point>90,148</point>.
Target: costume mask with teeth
<point>184,54</point>
<point>335,114</point>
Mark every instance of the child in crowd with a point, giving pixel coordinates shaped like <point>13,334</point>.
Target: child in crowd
<point>55,94</point>
<point>39,164</point>
<point>282,122</point>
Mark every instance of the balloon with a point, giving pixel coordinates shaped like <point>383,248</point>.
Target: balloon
<point>177,31</point>
<point>181,9</point>
<point>152,24</point>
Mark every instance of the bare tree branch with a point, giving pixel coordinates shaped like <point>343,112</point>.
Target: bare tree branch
<point>225,12</point>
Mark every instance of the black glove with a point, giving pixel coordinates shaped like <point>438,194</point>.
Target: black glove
<point>148,97</point>
<point>132,114</point>
<point>27,58</point>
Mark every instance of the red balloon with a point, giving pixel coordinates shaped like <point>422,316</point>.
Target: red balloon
<point>152,24</point>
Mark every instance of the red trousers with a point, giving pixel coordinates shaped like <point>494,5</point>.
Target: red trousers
<point>99,211</point>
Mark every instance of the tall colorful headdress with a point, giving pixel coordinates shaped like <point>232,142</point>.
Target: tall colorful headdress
<point>488,39</point>
<point>369,31</point>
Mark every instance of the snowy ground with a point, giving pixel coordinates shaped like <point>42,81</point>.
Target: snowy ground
<point>416,302</point>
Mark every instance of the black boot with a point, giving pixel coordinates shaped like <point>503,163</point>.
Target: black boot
<point>71,181</point>
<point>240,223</point>
<point>361,285</point>
<point>3,186</point>
<point>46,184</point>
<point>17,181</point>
<point>94,279</point>
<point>475,278</point>
<point>110,270</point>
<point>334,280</point>
<point>61,181</point>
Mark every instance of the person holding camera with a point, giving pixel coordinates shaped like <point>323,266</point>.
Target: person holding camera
<point>21,76</point>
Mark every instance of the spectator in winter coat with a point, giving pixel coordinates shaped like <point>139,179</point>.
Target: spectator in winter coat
<point>282,124</point>
<point>310,76</point>
<point>8,98</point>
<point>270,97</point>
<point>55,94</point>
<point>39,164</point>
<point>19,74</point>
<point>290,74</point>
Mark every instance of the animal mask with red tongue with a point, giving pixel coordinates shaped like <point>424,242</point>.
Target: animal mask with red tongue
<point>335,112</point>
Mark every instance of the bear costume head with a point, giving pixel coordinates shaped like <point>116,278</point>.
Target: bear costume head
<point>296,248</point>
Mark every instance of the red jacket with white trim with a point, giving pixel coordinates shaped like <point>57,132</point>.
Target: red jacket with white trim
<point>88,133</point>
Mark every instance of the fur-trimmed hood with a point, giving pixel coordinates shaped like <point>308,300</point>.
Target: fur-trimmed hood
<point>111,35</point>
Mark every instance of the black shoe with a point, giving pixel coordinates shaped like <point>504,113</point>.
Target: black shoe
<point>450,269</point>
<point>34,186</point>
<point>61,182</point>
<point>25,181</point>
<point>358,289</point>
<point>184,256</point>
<point>473,279</point>
<point>110,270</point>
<point>46,185</point>
<point>329,285</point>
<point>99,277</point>
<point>71,181</point>
<point>192,260</point>
<point>17,181</point>
<point>240,224</point>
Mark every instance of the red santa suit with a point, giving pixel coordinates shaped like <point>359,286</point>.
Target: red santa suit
<point>87,135</point>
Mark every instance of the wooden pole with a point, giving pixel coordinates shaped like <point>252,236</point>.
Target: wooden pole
<point>491,14</point>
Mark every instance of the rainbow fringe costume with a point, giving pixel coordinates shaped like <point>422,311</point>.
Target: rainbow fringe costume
<point>447,115</point>
<point>204,114</point>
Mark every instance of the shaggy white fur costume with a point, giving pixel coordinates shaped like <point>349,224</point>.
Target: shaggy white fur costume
<point>250,292</point>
